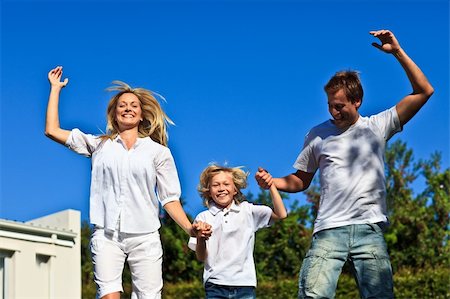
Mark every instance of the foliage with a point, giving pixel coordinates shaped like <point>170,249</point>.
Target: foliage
<point>313,197</point>
<point>421,283</point>
<point>88,289</point>
<point>192,290</point>
<point>280,288</point>
<point>280,248</point>
<point>409,283</point>
<point>418,234</point>
<point>179,262</point>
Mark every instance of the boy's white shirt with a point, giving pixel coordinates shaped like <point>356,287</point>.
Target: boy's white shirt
<point>230,248</point>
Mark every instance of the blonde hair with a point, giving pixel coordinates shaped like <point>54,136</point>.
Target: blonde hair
<point>239,179</point>
<point>155,120</point>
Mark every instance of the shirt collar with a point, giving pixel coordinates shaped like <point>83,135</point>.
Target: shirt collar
<point>137,143</point>
<point>214,209</point>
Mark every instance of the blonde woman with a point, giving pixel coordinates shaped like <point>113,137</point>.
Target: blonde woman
<point>229,268</point>
<point>132,172</point>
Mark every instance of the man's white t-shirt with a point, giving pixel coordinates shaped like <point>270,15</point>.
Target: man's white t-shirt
<point>351,165</point>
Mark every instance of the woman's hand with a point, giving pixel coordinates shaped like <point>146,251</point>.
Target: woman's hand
<point>54,77</point>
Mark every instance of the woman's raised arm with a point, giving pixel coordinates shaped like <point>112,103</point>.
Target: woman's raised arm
<point>52,127</point>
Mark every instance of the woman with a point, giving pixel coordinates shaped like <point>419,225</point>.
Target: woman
<point>132,172</point>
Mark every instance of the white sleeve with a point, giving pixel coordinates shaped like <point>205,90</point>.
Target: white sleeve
<point>306,160</point>
<point>167,183</point>
<point>81,143</point>
<point>387,122</point>
<point>261,216</point>
<point>192,243</point>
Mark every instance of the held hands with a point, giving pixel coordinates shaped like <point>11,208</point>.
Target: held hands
<point>389,43</point>
<point>201,230</point>
<point>54,77</point>
<point>263,178</point>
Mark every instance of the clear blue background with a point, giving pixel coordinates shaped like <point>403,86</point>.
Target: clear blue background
<point>243,82</point>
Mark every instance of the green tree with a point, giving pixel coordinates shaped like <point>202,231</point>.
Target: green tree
<point>313,197</point>
<point>418,234</point>
<point>438,206</point>
<point>179,262</point>
<point>88,289</point>
<point>280,248</point>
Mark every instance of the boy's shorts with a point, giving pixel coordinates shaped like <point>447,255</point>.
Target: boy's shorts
<point>143,252</point>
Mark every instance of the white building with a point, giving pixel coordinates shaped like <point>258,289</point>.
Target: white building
<point>41,258</point>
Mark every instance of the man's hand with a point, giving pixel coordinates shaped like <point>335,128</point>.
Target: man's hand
<point>389,43</point>
<point>263,178</point>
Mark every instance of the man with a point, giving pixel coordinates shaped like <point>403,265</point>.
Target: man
<point>349,152</point>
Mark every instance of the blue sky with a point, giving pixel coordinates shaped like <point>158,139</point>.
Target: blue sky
<point>243,82</point>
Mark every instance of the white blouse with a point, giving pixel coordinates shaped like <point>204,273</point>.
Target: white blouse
<point>127,185</point>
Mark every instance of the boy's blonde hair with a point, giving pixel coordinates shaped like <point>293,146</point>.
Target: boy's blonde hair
<point>155,120</point>
<point>239,179</point>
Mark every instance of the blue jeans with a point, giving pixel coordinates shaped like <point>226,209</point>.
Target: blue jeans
<point>363,246</point>
<point>214,291</point>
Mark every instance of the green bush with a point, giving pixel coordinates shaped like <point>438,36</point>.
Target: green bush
<point>180,290</point>
<point>347,288</point>
<point>424,283</point>
<point>285,288</point>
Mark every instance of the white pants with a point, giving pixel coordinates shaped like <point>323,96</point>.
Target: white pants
<point>143,252</point>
